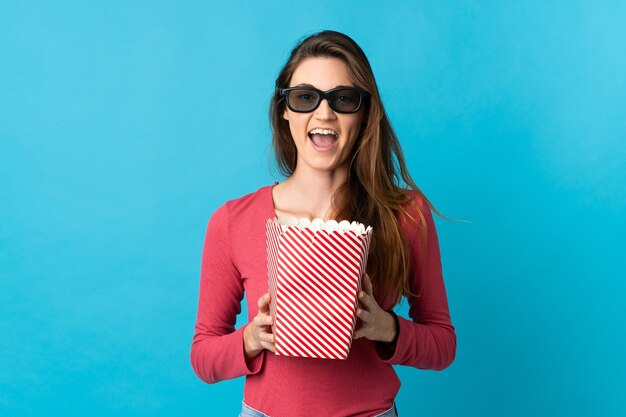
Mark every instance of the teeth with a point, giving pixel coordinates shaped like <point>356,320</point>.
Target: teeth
<point>323,132</point>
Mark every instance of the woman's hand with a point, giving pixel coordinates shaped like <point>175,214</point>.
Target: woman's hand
<point>257,335</point>
<point>376,323</point>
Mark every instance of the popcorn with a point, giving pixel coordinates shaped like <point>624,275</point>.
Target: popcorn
<point>314,277</point>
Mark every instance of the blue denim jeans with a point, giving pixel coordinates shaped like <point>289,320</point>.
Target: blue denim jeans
<point>247,411</point>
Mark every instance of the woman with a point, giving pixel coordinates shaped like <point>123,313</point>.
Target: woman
<point>335,145</point>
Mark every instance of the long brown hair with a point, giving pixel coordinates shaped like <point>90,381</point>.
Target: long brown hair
<point>371,194</point>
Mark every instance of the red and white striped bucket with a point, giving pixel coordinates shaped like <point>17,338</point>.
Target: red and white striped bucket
<point>314,277</point>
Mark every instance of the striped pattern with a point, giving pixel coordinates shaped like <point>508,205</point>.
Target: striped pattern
<point>314,279</point>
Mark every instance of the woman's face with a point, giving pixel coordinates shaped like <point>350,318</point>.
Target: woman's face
<point>324,74</point>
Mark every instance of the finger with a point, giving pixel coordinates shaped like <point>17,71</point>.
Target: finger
<point>263,320</point>
<point>271,346</point>
<point>364,299</point>
<point>266,337</point>
<point>363,315</point>
<point>367,284</point>
<point>263,303</point>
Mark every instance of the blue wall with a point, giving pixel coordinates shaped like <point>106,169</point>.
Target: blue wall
<point>120,135</point>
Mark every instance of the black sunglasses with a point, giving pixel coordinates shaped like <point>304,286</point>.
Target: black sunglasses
<point>340,99</point>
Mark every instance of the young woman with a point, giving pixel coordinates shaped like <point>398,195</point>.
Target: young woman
<point>336,147</point>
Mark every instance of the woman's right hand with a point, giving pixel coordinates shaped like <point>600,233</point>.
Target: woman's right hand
<point>257,334</point>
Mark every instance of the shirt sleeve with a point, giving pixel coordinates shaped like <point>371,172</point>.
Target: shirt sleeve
<point>217,351</point>
<point>428,340</point>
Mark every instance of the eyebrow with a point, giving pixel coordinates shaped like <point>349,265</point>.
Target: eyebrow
<point>309,85</point>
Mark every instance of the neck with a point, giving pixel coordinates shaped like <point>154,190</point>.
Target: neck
<point>314,188</point>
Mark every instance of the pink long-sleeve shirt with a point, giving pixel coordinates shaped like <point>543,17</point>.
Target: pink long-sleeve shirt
<point>234,261</point>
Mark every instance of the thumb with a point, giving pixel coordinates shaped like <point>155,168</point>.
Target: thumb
<point>264,302</point>
<point>367,284</point>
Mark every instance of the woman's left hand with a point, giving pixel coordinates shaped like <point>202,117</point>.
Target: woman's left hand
<point>376,323</point>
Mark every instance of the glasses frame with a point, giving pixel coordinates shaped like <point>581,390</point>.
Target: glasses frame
<point>363,96</point>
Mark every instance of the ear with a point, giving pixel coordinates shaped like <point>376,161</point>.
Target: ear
<point>285,114</point>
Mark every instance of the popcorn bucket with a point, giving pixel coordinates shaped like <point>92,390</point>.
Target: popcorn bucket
<point>314,277</point>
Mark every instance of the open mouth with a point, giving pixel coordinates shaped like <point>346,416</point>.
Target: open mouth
<point>323,139</point>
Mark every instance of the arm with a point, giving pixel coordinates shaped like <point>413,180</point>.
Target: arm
<point>428,340</point>
<point>217,350</point>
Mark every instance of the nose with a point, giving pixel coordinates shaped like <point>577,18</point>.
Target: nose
<point>323,111</point>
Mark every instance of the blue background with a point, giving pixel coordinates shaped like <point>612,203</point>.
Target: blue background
<point>124,125</point>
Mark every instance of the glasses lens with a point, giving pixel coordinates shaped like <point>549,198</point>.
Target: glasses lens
<point>345,100</point>
<point>303,100</point>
